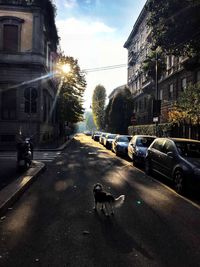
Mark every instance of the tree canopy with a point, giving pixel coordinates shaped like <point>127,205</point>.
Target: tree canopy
<point>149,64</point>
<point>72,87</point>
<point>187,108</point>
<point>98,106</point>
<point>118,112</point>
<point>175,25</point>
<point>89,121</point>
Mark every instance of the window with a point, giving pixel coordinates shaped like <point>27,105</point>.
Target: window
<point>183,84</point>
<point>9,105</point>
<point>171,90</point>
<point>10,38</point>
<point>168,147</point>
<point>198,76</point>
<point>30,95</point>
<point>10,33</point>
<point>158,145</point>
<point>140,105</point>
<point>161,94</point>
<point>145,103</point>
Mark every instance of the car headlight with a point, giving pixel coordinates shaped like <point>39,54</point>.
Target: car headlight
<point>197,171</point>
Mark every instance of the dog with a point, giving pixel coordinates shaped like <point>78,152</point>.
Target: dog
<point>106,200</point>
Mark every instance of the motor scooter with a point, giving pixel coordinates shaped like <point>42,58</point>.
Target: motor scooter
<point>24,155</point>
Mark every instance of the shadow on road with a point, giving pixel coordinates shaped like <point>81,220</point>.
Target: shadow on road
<point>118,238</point>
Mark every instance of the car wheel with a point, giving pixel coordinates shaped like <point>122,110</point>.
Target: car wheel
<point>179,183</point>
<point>148,169</point>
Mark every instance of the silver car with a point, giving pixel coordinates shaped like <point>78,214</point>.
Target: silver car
<point>138,146</point>
<point>108,140</point>
<point>120,144</point>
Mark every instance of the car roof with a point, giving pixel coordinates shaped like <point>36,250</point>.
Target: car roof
<point>175,139</point>
<point>144,135</point>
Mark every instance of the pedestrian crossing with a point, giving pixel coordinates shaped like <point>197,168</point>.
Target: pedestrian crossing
<point>47,156</point>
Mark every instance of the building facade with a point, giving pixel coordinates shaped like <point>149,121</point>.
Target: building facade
<point>172,82</point>
<point>28,45</point>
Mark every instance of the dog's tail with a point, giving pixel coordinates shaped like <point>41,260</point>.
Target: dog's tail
<point>119,201</point>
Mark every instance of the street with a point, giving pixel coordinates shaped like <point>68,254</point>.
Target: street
<point>53,223</point>
<point>8,170</point>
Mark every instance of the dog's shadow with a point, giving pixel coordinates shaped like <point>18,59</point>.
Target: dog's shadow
<point>117,238</point>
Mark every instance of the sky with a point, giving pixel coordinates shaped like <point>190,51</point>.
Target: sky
<point>94,32</point>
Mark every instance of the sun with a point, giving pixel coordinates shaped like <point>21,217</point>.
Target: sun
<point>66,68</point>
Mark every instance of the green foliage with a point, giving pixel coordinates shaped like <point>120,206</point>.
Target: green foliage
<point>89,121</point>
<point>149,64</point>
<point>98,106</point>
<point>175,25</point>
<point>163,129</point>
<point>118,112</point>
<point>72,87</point>
<point>187,108</point>
<point>107,118</point>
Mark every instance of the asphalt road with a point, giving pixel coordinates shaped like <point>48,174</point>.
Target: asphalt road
<point>53,224</point>
<point>8,168</point>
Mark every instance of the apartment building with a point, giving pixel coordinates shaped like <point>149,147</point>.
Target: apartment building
<point>173,81</point>
<point>138,47</point>
<point>28,45</point>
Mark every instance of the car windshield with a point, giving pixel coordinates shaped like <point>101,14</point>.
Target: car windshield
<point>124,139</point>
<point>144,141</point>
<point>189,149</point>
<point>111,136</point>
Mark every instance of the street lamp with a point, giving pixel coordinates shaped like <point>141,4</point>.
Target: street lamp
<point>157,102</point>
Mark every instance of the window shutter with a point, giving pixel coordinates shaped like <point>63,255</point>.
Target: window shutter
<point>10,38</point>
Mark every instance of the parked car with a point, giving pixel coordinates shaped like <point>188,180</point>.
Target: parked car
<point>89,133</point>
<point>108,140</point>
<point>102,137</point>
<point>120,144</point>
<point>96,136</point>
<point>137,147</point>
<point>176,159</point>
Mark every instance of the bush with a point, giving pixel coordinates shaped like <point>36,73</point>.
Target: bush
<point>163,129</point>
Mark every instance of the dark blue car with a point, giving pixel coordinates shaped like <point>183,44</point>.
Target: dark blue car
<point>176,159</point>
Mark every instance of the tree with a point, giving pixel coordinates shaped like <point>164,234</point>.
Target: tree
<point>107,116</point>
<point>72,87</point>
<point>175,25</point>
<point>187,108</point>
<point>149,64</point>
<point>98,106</point>
<point>89,121</point>
<point>119,112</point>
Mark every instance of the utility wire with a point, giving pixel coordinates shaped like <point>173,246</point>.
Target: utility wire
<point>105,68</point>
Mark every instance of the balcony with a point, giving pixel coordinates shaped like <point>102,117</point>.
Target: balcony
<point>22,58</point>
<point>132,59</point>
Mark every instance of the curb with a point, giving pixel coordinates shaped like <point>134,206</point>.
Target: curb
<point>62,147</point>
<point>13,191</point>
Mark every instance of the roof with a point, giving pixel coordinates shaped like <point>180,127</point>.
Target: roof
<point>136,25</point>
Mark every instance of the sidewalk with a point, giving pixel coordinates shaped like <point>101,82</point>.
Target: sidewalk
<point>13,184</point>
<point>10,193</point>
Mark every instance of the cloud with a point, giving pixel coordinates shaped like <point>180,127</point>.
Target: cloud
<point>77,27</point>
<point>94,44</point>
<point>70,3</point>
